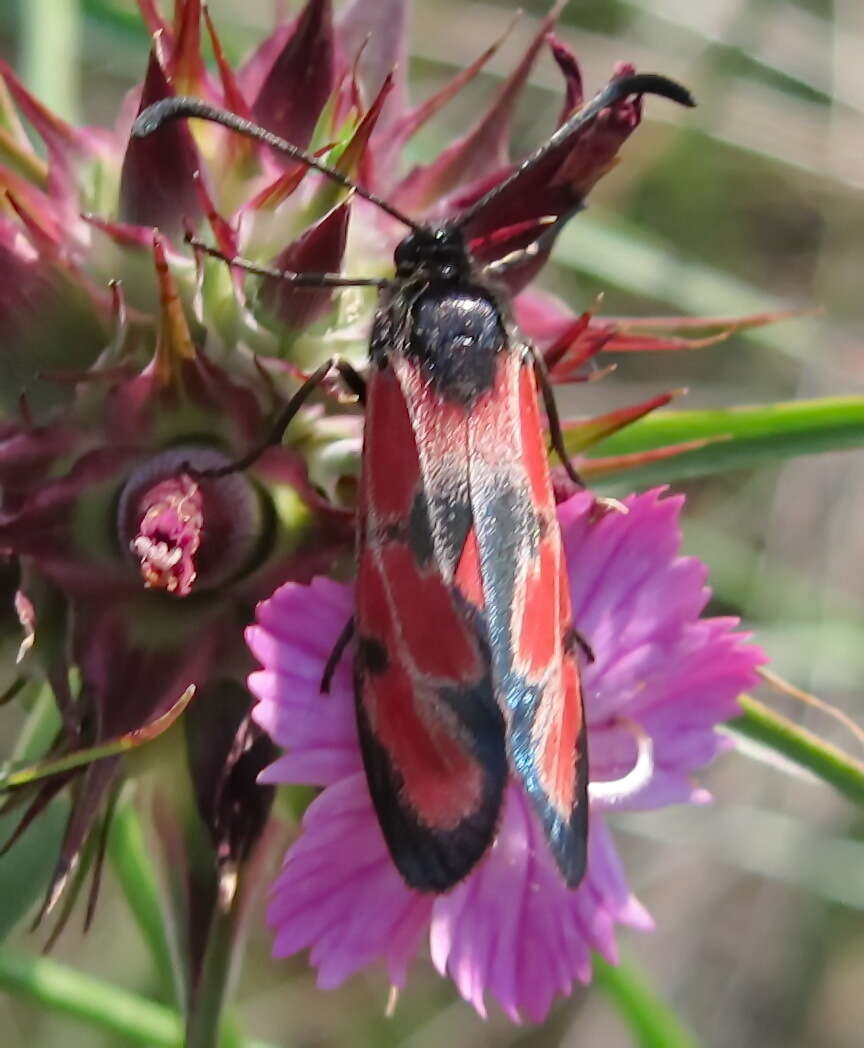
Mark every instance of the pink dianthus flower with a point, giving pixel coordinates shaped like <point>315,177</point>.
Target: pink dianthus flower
<point>662,680</point>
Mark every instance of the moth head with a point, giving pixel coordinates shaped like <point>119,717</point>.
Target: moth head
<point>436,253</point>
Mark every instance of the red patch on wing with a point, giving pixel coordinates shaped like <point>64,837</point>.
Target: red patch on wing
<point>391,476</point>
<point>543,620</point>
<point>535,459</point>
<point>560,723</point>
<point>468,579</point>
<point>539,639</point>
<point>442,779</point>
<point>437,635</point>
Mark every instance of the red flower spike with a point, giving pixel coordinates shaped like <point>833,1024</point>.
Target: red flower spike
<point>300,81</point>
<point>253,72</point>
<point>187,70</point>
<point>14,143</point>
<point>559,183</point>
<point>584,433</point>
<point>34,199</point>
<point>154,21</point>
<point>622,341</point>
<point>42,230</point>
<point>318,250</point>
<point>122,233</point>
<point>569,66</point>
<point>64,143</point>
<point>356,156</point>
<point>375,28</point>
<point>370,37</point>
<point>563,347</point>
<point>606,466</point>
<point>226,238</point>
<point>157,185</point>
<point>480,153</point>
<point>415,118</point>
<point>348,99</point>
<point>174,344</point>
<point>232,96</point>
<point>271,196</point>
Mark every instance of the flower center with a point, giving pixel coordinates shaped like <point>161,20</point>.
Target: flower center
<point>186,531</point>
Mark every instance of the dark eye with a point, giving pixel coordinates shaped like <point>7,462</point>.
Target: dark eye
<point>405,255</point>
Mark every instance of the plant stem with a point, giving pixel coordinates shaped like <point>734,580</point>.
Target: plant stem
<point>800,746</point>
<point>50,33</point>
<point>652,1021</point>
<point>209,996</point>
<point>98,1004</point>
<point>133,868</point>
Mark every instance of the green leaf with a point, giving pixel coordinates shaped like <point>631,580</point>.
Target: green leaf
<point>26,868</point>
<point>17,776</point>
<point>743,437</point>
<point>652,1021</point>
<point>110,1008</point>
<point>133,868</point>
<point>802,747</point>
<point>117,17</point>
<point>98,1004</point>
<point>51,31</point>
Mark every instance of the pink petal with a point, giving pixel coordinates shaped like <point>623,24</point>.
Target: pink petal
<point>340,896</point>
<point>512,929</point>
<point>505,929</point>
<point>295,633</point>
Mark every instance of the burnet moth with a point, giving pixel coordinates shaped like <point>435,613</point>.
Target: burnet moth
<point>466,659</point>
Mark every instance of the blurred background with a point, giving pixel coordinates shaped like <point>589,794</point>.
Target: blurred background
<point>752,202</point>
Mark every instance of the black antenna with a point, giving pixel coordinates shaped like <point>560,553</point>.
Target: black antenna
<point>154,116</point>
<point>615,90</point>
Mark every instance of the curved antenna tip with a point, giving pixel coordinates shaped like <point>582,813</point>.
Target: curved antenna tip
<point>152,118</point>
<point>655,84</point>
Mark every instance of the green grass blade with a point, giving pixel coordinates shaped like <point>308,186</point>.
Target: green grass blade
<point>111,1009</point>
<point>802,747</point>
<point>26,868</point>
<point>754,435</point>
<point>51,33</point>
<point>133,868</point>
<point>653,1023</point>
<point>59,988</point>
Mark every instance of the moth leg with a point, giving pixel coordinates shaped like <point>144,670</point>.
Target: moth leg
<point>335,656</point>
<point>550,227</point>
<point>556,435</point>
<point>573,638</point>
<point>352,379</point>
